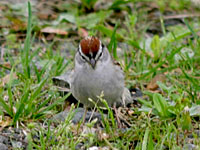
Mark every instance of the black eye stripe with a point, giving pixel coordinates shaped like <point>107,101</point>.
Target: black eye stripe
<point>100,55</point>
<point>83,57</point>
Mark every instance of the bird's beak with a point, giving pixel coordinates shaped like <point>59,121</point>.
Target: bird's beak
<point>93,63</point>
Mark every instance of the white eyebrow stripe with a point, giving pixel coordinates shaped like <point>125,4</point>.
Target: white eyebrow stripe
<point>99,51</point>
<point>82,54</point>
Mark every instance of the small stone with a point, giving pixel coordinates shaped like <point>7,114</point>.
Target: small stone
<point>3,147</point>
<point>79,112</point>
<point>190,147</point>
<point>3,139</point>
<point>79,146</point>
<point>16,144</point>
<point>93,148</point>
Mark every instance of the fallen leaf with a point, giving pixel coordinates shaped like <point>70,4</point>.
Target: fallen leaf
<point>130,112</point>
<point>5,65</point>
<point>177,70</point>
<point>153,83</point>
<point>6,121</point>
<point>102,135</point>
<point>195,110</point>
<point>17,24</point>
<point>6,79</point>
<point>52,30</point>
<point>82,32</point>
<point>50,37</point>
<point>46,14</point>
<point>181,16</point>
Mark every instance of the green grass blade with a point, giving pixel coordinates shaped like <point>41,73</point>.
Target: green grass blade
<point>10,95</point>
<point>38,90</point>
<point>190,28</point>
<point>38,108</point>
<point>42,112</point>
<point>145,140</point>
<point>30,142</point>
<point>21,107</point>
<point>36,93</point>
<point>150,142</point>
<point>112,46</point>
<point>192,80</point>
<point>25,54</point>
<point>161,62</point>
<point>6,107</point>
<point>108,31</point>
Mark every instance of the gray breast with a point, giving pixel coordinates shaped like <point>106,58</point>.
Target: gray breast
<point>93,82</point>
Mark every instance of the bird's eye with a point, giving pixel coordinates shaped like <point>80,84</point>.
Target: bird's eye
<point>83,57</point>
<point>101,54</point>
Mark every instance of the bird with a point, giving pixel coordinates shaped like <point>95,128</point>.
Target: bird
<point>96,72</point>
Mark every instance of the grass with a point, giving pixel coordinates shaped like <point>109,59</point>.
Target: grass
<point>163,118</point>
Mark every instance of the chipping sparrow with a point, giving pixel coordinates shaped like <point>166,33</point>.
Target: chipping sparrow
<point>94,73</point>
